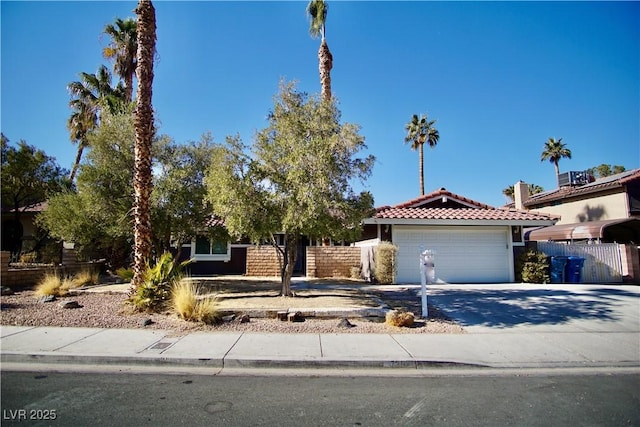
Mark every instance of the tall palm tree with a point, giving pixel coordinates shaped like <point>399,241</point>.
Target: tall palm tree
<point>88,96</point>
<point>554,150</point>
<point>122,50</point>
<point>421,131</point>
<point>145,129</point>
<point>317,12</point>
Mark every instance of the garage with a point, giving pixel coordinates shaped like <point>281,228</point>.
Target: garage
<point>473,242</point>
<point>463,254</point>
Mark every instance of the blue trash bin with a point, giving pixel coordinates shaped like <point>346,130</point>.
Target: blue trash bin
<point>573,270</point>
<point>558,265</point>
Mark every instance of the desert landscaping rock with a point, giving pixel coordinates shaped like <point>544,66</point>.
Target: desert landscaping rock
<point>47,298</point>
<point>6,291</point>
<point>70,304</point>
<point>108,310</point>
<point>146,322</point>
<point>344,323</point>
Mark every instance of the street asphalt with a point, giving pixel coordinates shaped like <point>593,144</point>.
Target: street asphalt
<point>507,326</point>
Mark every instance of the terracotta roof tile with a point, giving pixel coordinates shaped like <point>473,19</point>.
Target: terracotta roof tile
<point>442,192</point>
<point>460,214</point>
<point>613,181</point>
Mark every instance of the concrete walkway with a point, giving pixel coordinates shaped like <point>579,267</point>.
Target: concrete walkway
<point>508,326</point>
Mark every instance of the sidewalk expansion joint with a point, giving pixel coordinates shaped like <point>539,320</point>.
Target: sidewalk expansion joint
<point>78,340</point>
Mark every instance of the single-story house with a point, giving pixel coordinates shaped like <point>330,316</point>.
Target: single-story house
<point>473,242</point>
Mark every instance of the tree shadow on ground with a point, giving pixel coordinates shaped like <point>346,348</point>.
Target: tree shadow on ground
<point>508,308</point>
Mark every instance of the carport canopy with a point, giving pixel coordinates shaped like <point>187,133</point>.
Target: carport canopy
<point>624,230</point>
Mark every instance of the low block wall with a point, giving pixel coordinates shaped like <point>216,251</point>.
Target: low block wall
<point>27,277</point>
<point>332,261</point>
<point>263,261</point>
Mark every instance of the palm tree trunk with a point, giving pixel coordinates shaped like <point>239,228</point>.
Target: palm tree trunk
<point>325,62</point>
<point>144,127</point>
<point>74,170</point>
<point>421,168</point>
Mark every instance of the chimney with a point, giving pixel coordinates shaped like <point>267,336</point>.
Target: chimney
<point>520,194</point>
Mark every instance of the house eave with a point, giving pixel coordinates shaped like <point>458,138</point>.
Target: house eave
<point>474,222</point>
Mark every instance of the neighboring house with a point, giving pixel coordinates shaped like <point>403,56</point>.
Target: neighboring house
<point>606,209</point>
<point>21,236</point>
<point>473,242</point>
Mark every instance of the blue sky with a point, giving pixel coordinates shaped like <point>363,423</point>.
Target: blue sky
<point>500,78</point>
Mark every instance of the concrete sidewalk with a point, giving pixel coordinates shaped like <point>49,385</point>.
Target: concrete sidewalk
<point>141,347</point>
<point>508,326</point>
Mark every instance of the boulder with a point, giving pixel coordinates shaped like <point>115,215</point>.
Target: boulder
<point>5,290</point>
<point>146,322</point>
<point>344,323</point>
<point>47,298</point>
<point>70,304</point>
<point>244,318</point>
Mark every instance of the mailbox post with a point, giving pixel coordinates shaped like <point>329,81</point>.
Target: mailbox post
<point>427,275</point>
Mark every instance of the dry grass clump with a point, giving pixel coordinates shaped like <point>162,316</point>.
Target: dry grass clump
<point>86,277</point>
<point>53,284</point>
<point>189,306</point>
<point>399,318</point>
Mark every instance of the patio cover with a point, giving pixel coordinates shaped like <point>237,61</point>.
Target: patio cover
<point>622,230</point>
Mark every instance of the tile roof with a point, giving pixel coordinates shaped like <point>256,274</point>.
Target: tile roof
<point>436,195</point>
<point>600,184</point>
<point>491,214</point>
<point>444,205</point>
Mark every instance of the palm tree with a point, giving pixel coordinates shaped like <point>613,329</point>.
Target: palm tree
<point>421,131</point>
<point>122,49</point>
<point>554,150</point>
<point>144,128</point>
<point>317,12</point>
<point>88,96</point>
<point>509,192</point>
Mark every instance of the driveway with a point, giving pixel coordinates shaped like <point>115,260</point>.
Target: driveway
<point>540,308</point>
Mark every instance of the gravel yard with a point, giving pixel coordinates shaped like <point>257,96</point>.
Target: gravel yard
<point>108,310</point>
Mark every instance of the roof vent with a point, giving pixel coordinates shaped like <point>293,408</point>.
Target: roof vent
<point>574,178</point>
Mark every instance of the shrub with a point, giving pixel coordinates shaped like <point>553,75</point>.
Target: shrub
<point>29,257</point>
<point>385,262</point>
<point>532,267</point>
<point>399,318</point>
<point>125,274</point>
<point>185,301</point>
<point>155,292</point>
<point>52,284</point>
<point>86,277</point>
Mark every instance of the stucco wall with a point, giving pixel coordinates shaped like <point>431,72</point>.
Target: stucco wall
<point>613,206</point>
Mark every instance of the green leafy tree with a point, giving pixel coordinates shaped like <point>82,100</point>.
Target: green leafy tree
<point>421,131</point>
<point>29,176</point>
<point>606,170</point>
<point>179,211</point>
<point>554,150</point>
<point>295,179</point>
<point>97,216</point>
<point>317,13</point>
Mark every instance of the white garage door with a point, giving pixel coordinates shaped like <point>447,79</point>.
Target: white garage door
<point>462,254</point>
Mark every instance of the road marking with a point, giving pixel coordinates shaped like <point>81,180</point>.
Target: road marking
<point>415,408</point>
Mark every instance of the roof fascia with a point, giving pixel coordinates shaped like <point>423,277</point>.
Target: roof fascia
<point>476,222</point>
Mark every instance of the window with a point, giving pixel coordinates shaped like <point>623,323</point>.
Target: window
<point>205,249</point>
